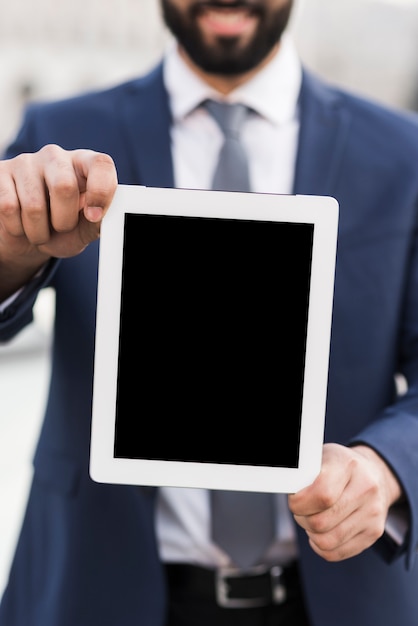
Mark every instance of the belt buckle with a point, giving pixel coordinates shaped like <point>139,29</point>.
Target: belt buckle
<point>277,592</point>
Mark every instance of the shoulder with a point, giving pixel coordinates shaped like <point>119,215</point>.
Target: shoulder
<point>97,119</point>
<point>365,114</point>
<point>101,100</point>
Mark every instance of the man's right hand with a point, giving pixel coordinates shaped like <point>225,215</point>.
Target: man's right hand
<point>52,203</point>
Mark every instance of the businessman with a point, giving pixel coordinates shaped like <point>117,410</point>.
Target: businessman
<point>344,548</point>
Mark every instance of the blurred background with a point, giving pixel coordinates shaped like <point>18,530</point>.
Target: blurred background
<point>51,50</point>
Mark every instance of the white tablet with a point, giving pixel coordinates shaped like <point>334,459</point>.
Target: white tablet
<point>212,339</point>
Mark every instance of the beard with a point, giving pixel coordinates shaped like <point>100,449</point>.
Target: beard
<point>227,56</point>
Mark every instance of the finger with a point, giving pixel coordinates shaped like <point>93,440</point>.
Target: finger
<point>98,178</point>
<point>319,497</point>
<point>10,218</point>
<point>330,529</point>
<point>329,485</point>
<point>341,551</point>
<point>347,541</point>
<point>62,188</point>
<point>334,510</point>
<point>22,195</point>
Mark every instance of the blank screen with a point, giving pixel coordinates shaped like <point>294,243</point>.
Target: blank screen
<point>212,339</point>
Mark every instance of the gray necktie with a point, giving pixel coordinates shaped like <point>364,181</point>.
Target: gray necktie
<point>242,522</point>
<point>231,173</point>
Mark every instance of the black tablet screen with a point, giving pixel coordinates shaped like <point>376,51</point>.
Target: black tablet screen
<point>212,339</point>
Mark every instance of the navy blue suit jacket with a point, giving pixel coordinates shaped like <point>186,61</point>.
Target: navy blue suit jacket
<point>87,553</point>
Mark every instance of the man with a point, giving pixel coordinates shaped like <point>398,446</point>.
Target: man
<point>92,554</point>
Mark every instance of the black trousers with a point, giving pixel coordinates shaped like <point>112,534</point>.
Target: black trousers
<point>193,605</point>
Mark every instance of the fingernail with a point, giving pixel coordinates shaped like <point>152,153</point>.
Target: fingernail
<point>93,213</point>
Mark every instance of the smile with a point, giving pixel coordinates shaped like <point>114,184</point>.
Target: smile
<point>227,21</point>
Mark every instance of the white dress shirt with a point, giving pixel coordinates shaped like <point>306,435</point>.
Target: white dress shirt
<point>270,139</point>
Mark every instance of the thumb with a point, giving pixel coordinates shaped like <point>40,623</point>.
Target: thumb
<point>97,176</point>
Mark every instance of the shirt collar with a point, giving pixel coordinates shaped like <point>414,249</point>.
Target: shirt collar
<point>273,92</point>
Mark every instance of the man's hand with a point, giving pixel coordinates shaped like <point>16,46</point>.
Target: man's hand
<point>345,509</point>
<point>51,205</point>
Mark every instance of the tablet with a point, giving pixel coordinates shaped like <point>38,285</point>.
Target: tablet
<point>212,339</point>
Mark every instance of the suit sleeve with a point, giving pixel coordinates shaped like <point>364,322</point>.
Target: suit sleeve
<point>19,313</point>
<point>394,435</point>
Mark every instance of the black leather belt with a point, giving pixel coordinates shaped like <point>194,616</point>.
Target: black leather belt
<point>232,588</point>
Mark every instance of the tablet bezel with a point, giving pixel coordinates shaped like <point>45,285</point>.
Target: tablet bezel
<point>320,211</point>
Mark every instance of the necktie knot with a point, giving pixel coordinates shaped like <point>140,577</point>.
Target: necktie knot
<point>229,117</point>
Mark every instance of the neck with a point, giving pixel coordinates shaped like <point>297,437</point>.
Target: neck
<point>224,84</point>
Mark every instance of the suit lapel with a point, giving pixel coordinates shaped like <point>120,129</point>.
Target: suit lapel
<point>324,129</point>
<point>146,125</point>
<point>323,134</point>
